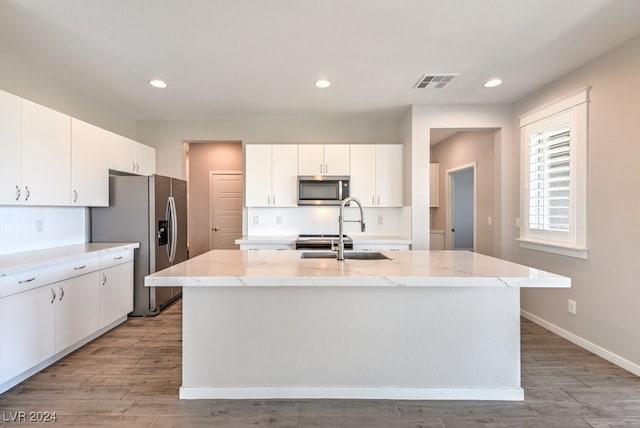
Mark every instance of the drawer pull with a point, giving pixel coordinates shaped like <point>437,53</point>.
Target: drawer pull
<point>118,258</point>
<point>80,267</point>
<point>53,295</point>
<point>61,293</point>
<point>26,280</point>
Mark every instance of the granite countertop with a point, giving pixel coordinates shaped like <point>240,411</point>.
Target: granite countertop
<point>20,262</point>
<point>238,268</point>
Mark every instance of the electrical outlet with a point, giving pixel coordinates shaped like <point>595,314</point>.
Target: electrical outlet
<point>39,225</point>
<point>489,221</point>
<point>517,222</point>
<point>278,219</point>
<point>380,219</point>
<point>256,219</point>
<point>571,307</point>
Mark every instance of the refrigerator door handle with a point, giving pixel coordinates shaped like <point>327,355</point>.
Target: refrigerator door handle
<point>173,229</point>
<point>169,227</point>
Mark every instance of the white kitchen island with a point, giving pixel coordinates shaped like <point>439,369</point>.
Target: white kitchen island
<point>424,325</point>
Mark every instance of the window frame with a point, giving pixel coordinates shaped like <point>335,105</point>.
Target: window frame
<point>572,110</point>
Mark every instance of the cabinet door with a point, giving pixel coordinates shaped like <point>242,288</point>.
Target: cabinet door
<point>77,308</point>
<point>363,175</point>
<point>336,159</point>
<point>145,159</point>
<point>116,293</point>
<point>310,159</point>
<point>10,149</point>
<point>121,153</point>
<point>46,155</point>
<point>257,175</point>
<point>284,175</point>
<point>27,331</point>
<point>389,175</point>
<point>89,171</point>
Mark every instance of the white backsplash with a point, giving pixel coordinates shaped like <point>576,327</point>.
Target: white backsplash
<point>324,219</point>
<point>35,228</point>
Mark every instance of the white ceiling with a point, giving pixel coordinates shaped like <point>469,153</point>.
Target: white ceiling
<point>233,58</point>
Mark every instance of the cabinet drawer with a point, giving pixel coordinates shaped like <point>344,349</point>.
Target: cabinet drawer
<point>34,278</point>
<point>110,258</point>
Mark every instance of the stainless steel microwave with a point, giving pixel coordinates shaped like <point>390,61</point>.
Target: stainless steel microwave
<point>322,190</point>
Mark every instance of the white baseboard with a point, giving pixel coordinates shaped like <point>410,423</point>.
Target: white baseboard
<point>351,393</point>
<point>583,343</point>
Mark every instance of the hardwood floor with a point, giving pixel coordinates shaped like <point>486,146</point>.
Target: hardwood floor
<point>130,378</point>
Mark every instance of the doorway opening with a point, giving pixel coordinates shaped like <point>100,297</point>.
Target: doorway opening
<point>461,207</point>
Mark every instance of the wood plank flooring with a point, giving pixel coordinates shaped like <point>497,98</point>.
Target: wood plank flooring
<point>130,378</point>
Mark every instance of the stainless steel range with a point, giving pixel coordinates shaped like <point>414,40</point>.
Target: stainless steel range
<point>321,242</point>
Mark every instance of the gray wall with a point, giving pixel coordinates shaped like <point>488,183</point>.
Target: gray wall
<point>606,286</point>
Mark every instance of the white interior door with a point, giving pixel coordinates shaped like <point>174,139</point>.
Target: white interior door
<point>225,210</point>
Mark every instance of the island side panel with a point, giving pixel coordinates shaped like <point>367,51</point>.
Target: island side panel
<point>351,342</point>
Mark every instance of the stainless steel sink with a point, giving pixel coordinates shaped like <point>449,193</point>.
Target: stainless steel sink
<point>351,255</point>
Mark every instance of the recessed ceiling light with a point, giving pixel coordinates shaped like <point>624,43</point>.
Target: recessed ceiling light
<point>492,83</point>
<point>156,83</point>
<point>322,83</point>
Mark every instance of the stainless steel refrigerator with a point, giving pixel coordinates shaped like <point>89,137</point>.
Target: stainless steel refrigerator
<point>151,210</point>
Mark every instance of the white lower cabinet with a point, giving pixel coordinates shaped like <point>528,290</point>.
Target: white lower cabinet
<point>76,308</point>
<point>27,331</point>
<point>48,312</point>
<point>116,293</point>
<point>380,247</point>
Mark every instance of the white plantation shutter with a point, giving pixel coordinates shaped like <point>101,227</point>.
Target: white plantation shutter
<point>554,176</point>
<point>550,180</point>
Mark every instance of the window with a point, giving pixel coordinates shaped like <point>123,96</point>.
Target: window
<point>553,183</point>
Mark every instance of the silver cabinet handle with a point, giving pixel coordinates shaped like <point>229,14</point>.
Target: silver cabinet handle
<point>80,267</point>
<point>378,199</point>
<point>133,166</point>
<point>268,199</point>
<point>373,200</point>
<point>24,281</point>
<point>137,167</point>
<point>26,188</point>
<point>104,279</point>
<point>53,295</point>
<point>117,258</point>
<point>61,293</point>
<point>75,196</point>
<point>17,193</point>
<point>273,199</point>
<point>320,169</point>
<point>326,168</point>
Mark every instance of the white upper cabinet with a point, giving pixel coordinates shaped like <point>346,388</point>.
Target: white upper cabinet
<point>389,175</point>
<point>377,174</point>
<point>129,156</point>
<point>145,158</point>
<point>10,149</point>
<point>89,171</point>
<point>323,159</point>
<point>363,173</point>
<point>271,175</point>
<point>46,155</point>
<point>284,175</point>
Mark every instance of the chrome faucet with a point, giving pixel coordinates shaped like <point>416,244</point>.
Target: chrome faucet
<point>341,222</point>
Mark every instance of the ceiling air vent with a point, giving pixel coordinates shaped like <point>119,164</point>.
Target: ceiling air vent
<point>436,81</point>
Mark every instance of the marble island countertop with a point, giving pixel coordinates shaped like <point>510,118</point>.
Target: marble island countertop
<point>405,268</point>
